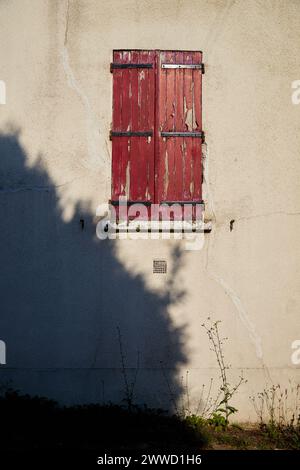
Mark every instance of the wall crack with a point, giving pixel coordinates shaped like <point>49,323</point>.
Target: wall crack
<point>95,160</point>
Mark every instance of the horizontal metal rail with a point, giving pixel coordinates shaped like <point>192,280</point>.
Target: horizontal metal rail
<point>129,203</point>
<point>131,134</point>
<point>130,66</point>
<point>183,66</point>
<point>149,203</point>
<point>200,134</point>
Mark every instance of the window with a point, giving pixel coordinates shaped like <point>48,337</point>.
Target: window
<point>157,126</point>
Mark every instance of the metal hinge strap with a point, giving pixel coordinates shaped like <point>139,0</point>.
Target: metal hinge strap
<point>114,65</point>
<point>131,134</point>
<point>184,66</point>
<point>128,203</point>
<point>200,134</point>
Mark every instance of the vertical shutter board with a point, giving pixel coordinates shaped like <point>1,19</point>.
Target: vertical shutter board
<point>151,126</point>
<point>135,141</point>
<point>115,164</point>
<point>170,92</point>
<point>117,93</point>
<point>117,125</point>
<point>126,126</point>
<point>157,161</point>
<point>161,148</point>
<point>170,126</point>
<point>140,154</point>
<point>197,143</point>
<point>144,123</point>
<point>188,123</point>
<point>179,126</point>
<point>166,123</point>
<point>126,101</point>
<point>147,122</point>
<point>142,174</point>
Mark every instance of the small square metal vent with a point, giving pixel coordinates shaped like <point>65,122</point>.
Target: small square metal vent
<point>159,266</point>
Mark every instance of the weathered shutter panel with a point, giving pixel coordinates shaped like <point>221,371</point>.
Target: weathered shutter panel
<point>133,125</point>
<point>178,160</point>
<point>157,126</point>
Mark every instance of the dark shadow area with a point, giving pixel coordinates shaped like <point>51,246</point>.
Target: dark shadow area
<point>108,428</point>
<point>64,294</point>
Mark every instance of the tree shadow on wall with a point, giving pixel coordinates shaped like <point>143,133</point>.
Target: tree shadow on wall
<point>64,294</point>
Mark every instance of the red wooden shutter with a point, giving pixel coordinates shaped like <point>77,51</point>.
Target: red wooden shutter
<point>179,121</point>
<point>133,125</point>
<point>157,126</point>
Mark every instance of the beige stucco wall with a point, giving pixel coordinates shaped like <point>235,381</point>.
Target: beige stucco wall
<point>54,59</point>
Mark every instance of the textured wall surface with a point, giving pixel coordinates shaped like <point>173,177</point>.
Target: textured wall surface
<point>65,293</point>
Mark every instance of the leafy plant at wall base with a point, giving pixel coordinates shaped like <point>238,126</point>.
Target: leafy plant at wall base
<point>223,410</point>
<point>218,421</point>
<point>278,410</point>
<point>199,427</point>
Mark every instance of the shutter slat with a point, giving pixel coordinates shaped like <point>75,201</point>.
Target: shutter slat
<point>126,125</point>
<point>117,125</point>
<point>144,116</point>
<point>161,158</point>
<point>135,142</point>
<point>197,146</point>
<point>170,126</point>
<point>188,124</point>
<point>179,125</point>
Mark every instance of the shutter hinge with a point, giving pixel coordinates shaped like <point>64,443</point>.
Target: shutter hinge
<point>130,134</point>
<point>199,134</point>
<point>184,66</point>
<point>114,65</point>
<point>129,203</point>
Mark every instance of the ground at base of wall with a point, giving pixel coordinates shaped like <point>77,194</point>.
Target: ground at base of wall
<point>36,423</point>
<point>253,437</point>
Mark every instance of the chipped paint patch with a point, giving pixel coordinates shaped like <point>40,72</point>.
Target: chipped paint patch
<point>189,119</point>
<point>189,116</point>
<point>192,187</point>
<point>184,106</point>
<point>127,185</point>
